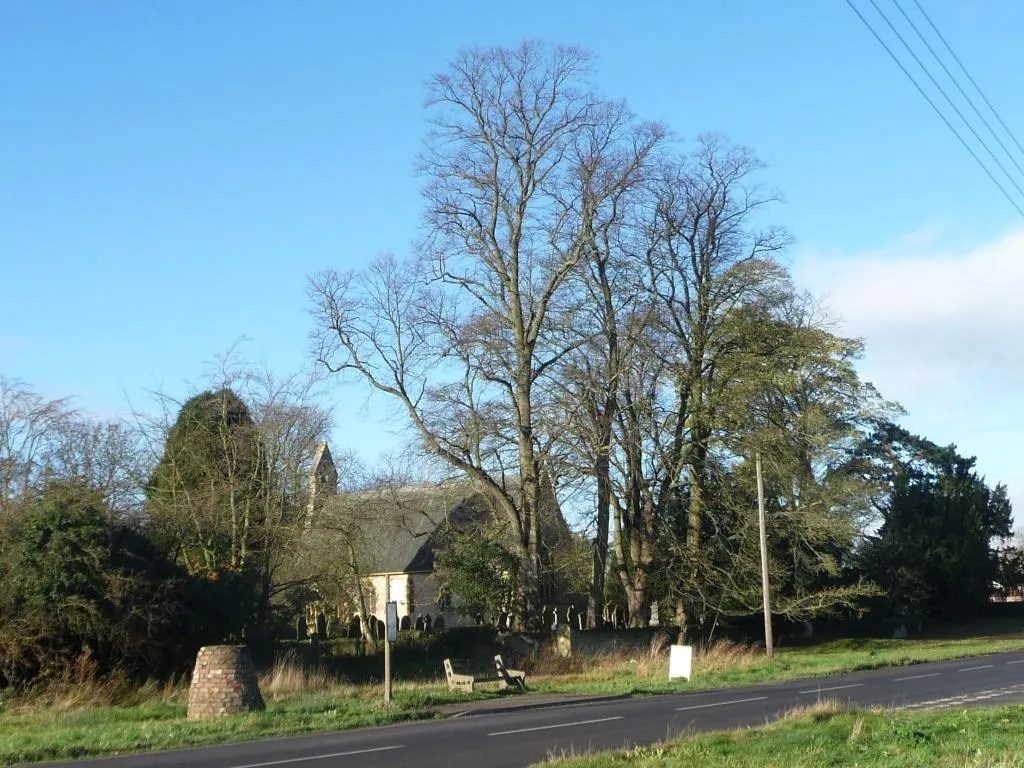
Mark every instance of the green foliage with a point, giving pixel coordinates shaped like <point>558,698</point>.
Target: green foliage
<point>934,552</point>
<point>75,585</point>
<point>61,547</point>
<point>478,572</point>
<point>204,499</point>
<point>789,392</point>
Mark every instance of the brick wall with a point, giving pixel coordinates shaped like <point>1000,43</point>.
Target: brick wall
<point>223,683</point>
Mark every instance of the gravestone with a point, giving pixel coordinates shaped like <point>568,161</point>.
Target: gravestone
<point>563,641</point>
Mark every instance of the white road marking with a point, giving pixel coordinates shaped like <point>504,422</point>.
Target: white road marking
<point>559,725</point>
<point>833,688</point>
<point>1019,661</point>
<point>916,677</point>
<point>971,669</point>
<point>319,757</point>
<point>720,703</point>
<point>965,698</point>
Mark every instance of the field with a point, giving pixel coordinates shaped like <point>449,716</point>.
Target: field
<point>87,719</point>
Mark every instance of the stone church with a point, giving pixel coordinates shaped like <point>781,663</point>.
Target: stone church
<point>399,530</point>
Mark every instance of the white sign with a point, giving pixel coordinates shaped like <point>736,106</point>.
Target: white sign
<point>391,624</point>
<point>680,662</point>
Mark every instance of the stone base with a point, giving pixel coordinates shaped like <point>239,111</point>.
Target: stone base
<point>223,683</point>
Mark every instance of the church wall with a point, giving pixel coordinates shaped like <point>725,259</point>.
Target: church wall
<point>416,595</point>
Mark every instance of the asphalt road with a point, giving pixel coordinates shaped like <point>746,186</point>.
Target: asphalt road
<point>516,738</point>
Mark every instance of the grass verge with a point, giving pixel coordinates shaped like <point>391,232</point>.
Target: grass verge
<point>86,720</point>
<point>831,736</point>
<point>71,723</point>
<point>729,664</point>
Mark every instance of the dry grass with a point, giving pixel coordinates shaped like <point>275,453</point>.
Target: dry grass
<point>114,692</point>
<point>81,687</point>
<point>290,677</point>
<point>643,661</point>
<point>821,709</point>
<point>725,655</point>
<point>648,664</point>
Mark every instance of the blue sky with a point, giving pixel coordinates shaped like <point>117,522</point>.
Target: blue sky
<point>171,171</point>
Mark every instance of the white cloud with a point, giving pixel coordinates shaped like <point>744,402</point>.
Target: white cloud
<point>934,320</point>
<point>944,333</point>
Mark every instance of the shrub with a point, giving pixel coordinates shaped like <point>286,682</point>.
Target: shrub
<point>76,586</point>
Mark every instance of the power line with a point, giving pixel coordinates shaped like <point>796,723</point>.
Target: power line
<point>998,428</point>
<point>968,74</point>
<point>956,82</point>
<point>932,104</point>
<point>945,95</point>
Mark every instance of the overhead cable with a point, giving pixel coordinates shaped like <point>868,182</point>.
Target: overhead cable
<point>935,107</point>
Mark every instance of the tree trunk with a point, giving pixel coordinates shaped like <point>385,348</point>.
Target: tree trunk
<point>602,471</point>
<point>530,500</point>
<point>636,600</point>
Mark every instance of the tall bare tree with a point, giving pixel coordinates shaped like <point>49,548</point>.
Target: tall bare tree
<point>706,257</point>
<point>614,310</point>
<point>110,456</point>
<point>465,335</point>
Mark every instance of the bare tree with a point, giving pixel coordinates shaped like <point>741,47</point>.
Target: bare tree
<point>614,309</point>
<point>465,335</point>
<point>705,258</point>
<point>231,489</point>
<point>30,431</point>
<point>711,259</point>
<point>291,423</point>
<point>110,456</point>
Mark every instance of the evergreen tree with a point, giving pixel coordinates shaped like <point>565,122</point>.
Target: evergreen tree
<point>204,499</point>
<point>934,552</point>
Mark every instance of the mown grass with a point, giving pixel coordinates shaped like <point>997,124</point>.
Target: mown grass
<point>831,736</point>
<point>86,719</point>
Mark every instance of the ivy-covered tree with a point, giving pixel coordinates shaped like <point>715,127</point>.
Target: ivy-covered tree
<point>935,551</point>
<point>478,572</point>
<point>204,500</point>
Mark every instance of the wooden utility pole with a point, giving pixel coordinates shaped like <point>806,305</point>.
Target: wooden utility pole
<point>766,592</point>
<point>387,640</point>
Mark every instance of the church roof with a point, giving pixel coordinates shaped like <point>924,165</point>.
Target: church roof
<point>399,528</point>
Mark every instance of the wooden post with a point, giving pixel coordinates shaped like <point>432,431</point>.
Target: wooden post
<point>387,642</point>
<point>766,593</point>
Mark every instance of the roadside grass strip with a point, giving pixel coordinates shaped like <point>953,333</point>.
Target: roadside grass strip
<point>828,735</point>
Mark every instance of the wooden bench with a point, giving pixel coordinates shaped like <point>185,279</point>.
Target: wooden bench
<point>465,679</point>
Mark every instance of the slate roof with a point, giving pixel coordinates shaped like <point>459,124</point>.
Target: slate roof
<point>400,528</point>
